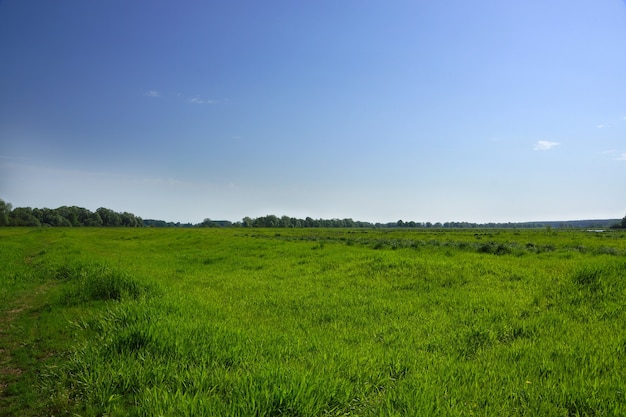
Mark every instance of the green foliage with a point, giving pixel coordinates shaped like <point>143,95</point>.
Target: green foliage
<point>92,282</point>
<point>23,216</point>
<point>5,210</point>
<point>77,216</point>
<point>312,322</point>
<point>620,225</point>
<point>65,217</point>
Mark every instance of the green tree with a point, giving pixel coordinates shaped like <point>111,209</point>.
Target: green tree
<point>285,221</point>
<point>267,221</point>
<point>93,219</point>
<point>50,217</point>
<point>109,217</point>
<point>5,211</point>
<point>70,214</point>
<point>23,216</point>
<point>130,220</point>
<point>208,223</point>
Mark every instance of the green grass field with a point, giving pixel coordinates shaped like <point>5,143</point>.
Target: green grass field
<point>312,322</point>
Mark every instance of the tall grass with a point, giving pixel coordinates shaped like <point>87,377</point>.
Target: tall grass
<point>93,282</point>
<point>329,322</point>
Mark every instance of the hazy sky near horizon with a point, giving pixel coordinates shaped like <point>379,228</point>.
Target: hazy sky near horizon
<point>375,110</point>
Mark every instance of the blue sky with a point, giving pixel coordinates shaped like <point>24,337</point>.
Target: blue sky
<point>374,110</point>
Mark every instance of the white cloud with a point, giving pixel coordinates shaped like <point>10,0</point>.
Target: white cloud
<point>544,145</point>
<point>198,100</point>
<point>193,100</point>
<point>601,126</point>
<point>621,157</point>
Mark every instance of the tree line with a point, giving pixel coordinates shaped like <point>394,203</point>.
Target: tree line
<point>289,222</point>
<point>81,217</point>
<point>65,217</point>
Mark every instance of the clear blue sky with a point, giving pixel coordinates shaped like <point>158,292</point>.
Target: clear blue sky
<point>476,111</point>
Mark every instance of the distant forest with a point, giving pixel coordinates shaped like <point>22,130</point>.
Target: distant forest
<point>72,216</point>
<point>65,217</point>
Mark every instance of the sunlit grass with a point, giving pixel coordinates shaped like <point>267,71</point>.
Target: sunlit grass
<point>321,322</point>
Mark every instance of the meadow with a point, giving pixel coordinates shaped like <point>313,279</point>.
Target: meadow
<point>312,322</point>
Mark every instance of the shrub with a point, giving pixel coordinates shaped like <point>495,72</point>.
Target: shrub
<point>495,248</point>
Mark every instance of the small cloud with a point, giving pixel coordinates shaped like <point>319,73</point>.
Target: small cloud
<point>601,126</point>
<point>198,100</point>
<point>621,157</point>
<point>544,145</point>
<point>152,93</point>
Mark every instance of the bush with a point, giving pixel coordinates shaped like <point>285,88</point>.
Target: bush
<point>495,248</point>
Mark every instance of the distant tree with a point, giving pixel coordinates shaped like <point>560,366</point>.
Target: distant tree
<point>83,215</point>
<point>266,221</point>
<point>208,223</point>
<point>94,220</point>
<point>5,211</point>
<point>72,217</point>
<point>70,214</point>
<point>272,221</point>
<point>65,216</point>
<point>23,216</point>
<point>50,217</point>
<point>109,217</point>
<point>130,220</point>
